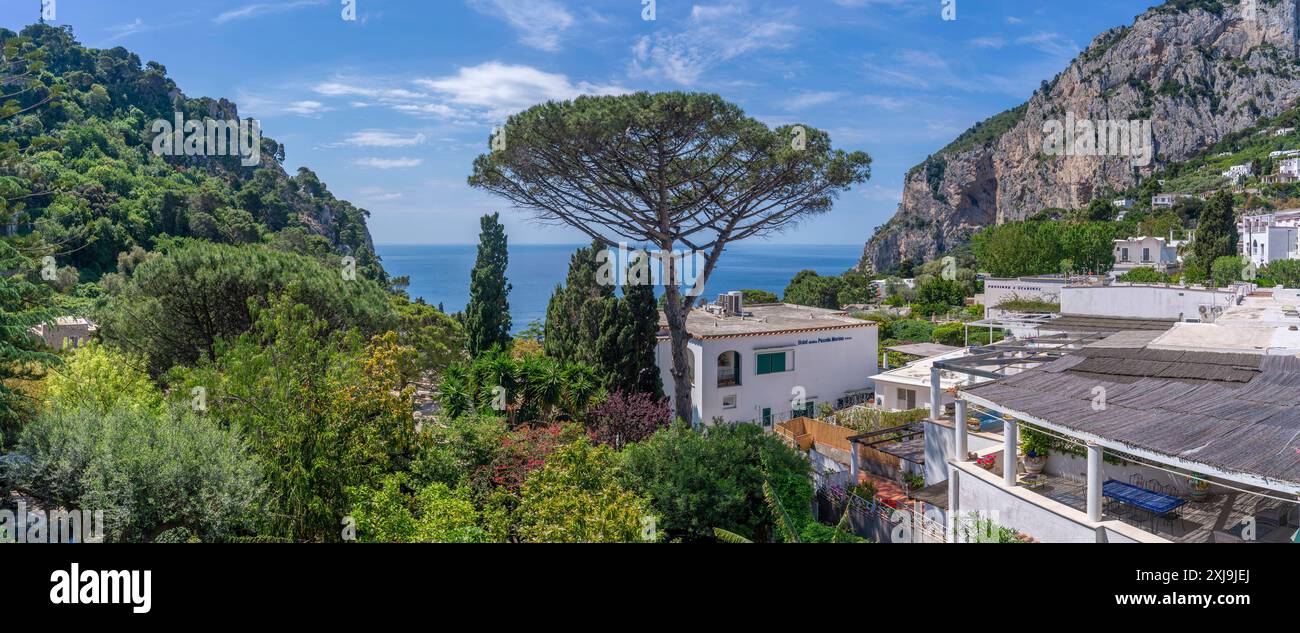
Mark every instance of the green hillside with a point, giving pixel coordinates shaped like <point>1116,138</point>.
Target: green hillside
<point>82,184</point>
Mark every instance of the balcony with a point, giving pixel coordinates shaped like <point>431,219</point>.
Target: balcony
<point>1224,515</point>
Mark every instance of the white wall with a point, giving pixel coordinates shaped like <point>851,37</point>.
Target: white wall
<point>887,395</point>
<point>998,290</point>
<point>1033,514</point>
<point>1140,301</point>
<point>941,445</point>
<point>827,365</point>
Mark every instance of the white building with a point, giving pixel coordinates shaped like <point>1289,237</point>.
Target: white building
<point>1000,289</point>
<point>66,332</point>
<point>1237,172</point>
<point>757,363</point>
<point>1167,200</point>
<point>1288,170</point>
<point>1269,237</point>
<point>1168,302</point>
<point>1123,203</point>
<point>1145,252</point>
<point>882,286</point>
<point>908,387</point>
<point>1284,152</point>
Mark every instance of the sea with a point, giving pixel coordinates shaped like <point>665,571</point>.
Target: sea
<point>440,272</point>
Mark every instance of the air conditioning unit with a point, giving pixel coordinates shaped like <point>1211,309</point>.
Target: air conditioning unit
<point>736,302</point>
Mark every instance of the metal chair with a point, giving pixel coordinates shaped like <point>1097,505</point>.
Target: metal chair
<point>1136,480</point>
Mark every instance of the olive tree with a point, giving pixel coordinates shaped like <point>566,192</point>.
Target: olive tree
<point>676,171</point>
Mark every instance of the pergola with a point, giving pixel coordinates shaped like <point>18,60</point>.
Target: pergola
<point>1228,416</point>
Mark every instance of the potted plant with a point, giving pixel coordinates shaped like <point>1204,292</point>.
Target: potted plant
<point>1035,445</point>
<point>988,462</point>
<point>914,482</point>
<point>1199,487</point>
<point>973,423</point>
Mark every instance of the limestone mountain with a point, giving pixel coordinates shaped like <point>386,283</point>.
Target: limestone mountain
<point>1197,70</point>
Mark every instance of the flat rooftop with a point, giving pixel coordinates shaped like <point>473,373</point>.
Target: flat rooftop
<point>1090,323</point>
<point>1265,322</point>
<point>767,318</point>
<point>917,373</point>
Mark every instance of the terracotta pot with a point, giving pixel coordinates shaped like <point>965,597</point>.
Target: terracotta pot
<point>1034,465</point>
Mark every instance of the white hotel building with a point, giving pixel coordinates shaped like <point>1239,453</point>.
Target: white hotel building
<point>752,363</point>
<point>1269,237</point>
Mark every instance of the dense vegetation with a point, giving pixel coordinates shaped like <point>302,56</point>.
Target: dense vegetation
<point>248,384</point>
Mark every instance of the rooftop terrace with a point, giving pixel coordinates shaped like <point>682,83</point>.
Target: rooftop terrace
<point>771,318</point>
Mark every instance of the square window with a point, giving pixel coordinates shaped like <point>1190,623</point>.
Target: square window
<point>729,402</point>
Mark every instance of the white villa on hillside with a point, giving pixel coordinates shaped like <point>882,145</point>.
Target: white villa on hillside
<point>757,363</point>
<point>1145,252</point>
<point>1167,200</point>
<point>1236,173</point>
<point>66,332</point>
<point>1269,237</point>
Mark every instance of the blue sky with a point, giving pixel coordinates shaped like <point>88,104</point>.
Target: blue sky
<point>390,109</point>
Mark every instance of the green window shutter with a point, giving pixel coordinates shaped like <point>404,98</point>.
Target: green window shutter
<point>771,363</point>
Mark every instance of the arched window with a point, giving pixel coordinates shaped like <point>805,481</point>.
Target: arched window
<point>728,369</point>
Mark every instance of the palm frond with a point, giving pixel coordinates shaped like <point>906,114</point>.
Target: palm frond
<point>783,521</point>
<point>729,537</point>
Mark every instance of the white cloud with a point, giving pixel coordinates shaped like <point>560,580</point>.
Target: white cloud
<point>495,89</point>
<point>883,102</point>
<point>307,108</point>
<point>540,23</point>
<point>381,138</point>
<point>379,194</point>
<point>340,88</point>
<point>388,163</point>
<point>812,99</point>
<point>125,30</point>
<point>988,42</point>
<point>713,34</point>
<point>254,10</point>
<point>1053,44</point>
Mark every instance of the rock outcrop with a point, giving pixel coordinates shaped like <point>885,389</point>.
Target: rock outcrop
<point>1195,69</point>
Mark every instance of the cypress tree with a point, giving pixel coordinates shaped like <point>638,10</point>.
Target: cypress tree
<point>570,327</point>
<point>1216,233</point>
<point>487,317</point>
<point>643,337</point>
<point>587,323</point>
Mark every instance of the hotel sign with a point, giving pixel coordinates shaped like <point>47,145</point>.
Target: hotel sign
<point>828,339</point>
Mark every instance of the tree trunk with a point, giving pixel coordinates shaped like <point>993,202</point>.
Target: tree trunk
<point>678,338</point>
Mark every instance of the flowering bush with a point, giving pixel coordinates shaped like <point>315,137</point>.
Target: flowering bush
<point>624,418</point>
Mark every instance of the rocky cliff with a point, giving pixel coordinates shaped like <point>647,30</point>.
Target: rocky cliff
<point>1195,69</point>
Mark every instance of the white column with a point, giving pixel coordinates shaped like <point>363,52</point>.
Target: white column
<point>1094,482</point>
<point>936,393</point>
<point>959,446</point>
<point>853,463</point>
<point>1010,446</point>
<point>954,503</point>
